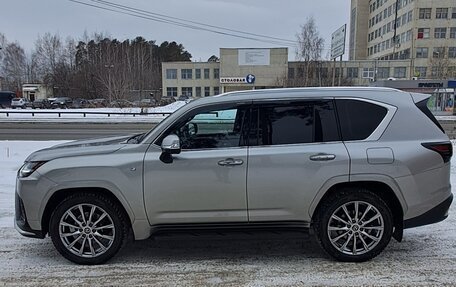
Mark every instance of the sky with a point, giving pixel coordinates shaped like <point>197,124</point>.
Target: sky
<point>24,20</point>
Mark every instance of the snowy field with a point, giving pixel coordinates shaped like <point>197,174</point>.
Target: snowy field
<point>41,115</point>
<point>426,257</point>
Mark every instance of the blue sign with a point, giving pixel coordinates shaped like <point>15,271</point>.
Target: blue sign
<point>250,79</point>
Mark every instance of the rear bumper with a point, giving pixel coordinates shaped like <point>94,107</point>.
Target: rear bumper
<point>436,214</point>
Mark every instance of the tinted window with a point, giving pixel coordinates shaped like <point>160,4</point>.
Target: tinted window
<point>358,119</point>
<point>293,123</point>
<point>211,128</point>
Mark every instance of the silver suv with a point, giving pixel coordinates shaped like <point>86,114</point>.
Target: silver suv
<point>355,165</point>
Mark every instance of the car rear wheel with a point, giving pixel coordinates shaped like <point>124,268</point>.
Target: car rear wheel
<point>354,225</point>
<point>88,228</point>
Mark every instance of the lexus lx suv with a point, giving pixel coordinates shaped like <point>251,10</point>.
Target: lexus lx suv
<point>355,165</point>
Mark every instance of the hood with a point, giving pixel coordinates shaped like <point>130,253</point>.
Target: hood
<point>80,148</point>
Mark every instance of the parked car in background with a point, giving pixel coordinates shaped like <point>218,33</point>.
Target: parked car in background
<point>5,98</point>
<point>21,103</point>
<point>80,104</point>
<point>166,101</point>
<point>41,104</point>
<point>98,103</point>
<point>62,103</point>
<point>344,162</point>
<point>120,104</point>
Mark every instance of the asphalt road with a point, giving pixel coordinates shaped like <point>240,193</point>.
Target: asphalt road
<point>67,131</point>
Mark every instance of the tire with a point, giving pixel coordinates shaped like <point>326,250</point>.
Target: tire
<point>83,242</point>
<point>363,238</point>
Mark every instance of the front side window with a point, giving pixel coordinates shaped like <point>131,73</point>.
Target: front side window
<point>293,123</point>
<point>210,128</point>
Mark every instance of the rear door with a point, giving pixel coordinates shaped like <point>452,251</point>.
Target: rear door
<point>295,149</point>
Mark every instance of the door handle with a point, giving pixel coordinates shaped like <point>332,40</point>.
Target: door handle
<point>230,162</point>
<point>322,157</point>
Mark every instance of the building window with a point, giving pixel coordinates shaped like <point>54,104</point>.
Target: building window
<point>171,73</point>
<point>452,52</point>
<point>352,73</point>
<point>425,13</point>
<point>453,32</point>
<point>422,52</point>
<point>383,73</point>
<point>410,16</point>
<point>453,13</point>
<point>207,91</point>
<point>291,73</point>
<point>420,72</point>
<point>424,33</point>
<point>216,73</point>
<point>400,72</point>
<point>186,74</point>
<point>198,91</point>
<point>441,13</point>
<point>187,91</point>
<point>438,52</point>
<point>171,92</point>
<point>216,90</point>
<point>440,33</point>
<point>206,73</point>
<point>197,73</point>
<point>368,73</point>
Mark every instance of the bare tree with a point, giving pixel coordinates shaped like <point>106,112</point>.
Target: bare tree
<point>309,50</point>
<point>14,66</point>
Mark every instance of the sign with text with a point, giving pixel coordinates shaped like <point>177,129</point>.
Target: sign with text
<point>249,79</point>
<point>338,42</point>
<point>254,57</point>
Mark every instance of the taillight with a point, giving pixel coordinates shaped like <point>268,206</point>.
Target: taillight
<point>445,149</point>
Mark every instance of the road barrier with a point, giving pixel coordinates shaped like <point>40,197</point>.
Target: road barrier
<point>60,113</point>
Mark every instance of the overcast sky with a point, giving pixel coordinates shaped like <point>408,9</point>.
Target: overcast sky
<point>24,20</point>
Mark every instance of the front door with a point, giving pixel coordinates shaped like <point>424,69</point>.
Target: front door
<point>206,182</point>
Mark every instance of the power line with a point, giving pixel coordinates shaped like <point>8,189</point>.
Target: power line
<point>144,15</point>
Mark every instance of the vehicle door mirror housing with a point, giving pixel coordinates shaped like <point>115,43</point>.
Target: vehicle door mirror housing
<point>171,144</point>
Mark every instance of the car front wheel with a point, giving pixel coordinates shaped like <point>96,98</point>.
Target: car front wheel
<point>88,228</point>
<point>354,225</point>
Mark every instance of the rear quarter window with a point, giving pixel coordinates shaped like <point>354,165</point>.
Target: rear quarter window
<point>358,119</point>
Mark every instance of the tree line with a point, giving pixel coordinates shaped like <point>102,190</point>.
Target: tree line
<point>92,67</point>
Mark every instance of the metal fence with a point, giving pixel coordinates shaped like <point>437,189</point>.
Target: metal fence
<point>60,113</point>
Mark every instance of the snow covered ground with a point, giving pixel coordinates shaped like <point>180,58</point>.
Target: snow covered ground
<point>41,115</point>
<point>426,257</point>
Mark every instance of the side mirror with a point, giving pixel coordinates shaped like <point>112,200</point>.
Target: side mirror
<point>171,145</point>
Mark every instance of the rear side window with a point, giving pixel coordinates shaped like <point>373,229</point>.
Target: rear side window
<point>424,108</point>
<point>358,119</point>
<point>293,123</point>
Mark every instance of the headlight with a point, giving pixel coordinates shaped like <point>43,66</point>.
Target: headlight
<point>28,168</point>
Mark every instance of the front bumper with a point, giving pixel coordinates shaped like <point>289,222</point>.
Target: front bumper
<point>436,214</point>
<point>20,221</point>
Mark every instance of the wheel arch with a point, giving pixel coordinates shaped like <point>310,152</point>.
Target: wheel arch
<point>61,194</point>
<point>381,189</point>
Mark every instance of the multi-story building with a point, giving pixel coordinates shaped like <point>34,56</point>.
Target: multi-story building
<point>422,31</point>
